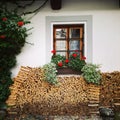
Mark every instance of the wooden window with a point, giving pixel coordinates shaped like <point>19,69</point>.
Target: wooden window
<point>68,39</point>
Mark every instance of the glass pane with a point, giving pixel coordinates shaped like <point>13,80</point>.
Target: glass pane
<point>74,45</point>
<point>61,53</point>
<point>60,45</point>
<point>74,33</point>
<point>61,33</point>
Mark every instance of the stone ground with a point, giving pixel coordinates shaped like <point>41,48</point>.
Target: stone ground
<point>39,117</point>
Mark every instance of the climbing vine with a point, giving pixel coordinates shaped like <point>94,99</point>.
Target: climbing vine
<point>13,35</point>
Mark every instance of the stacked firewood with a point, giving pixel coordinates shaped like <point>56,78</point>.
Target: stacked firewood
<point>110,88</point>
<point>31,94</point>
<point>72,95</point>
<point>18,81</point>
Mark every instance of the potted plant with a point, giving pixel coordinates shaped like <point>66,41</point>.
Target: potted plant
<point>73,65</point>
<point>75,62</point>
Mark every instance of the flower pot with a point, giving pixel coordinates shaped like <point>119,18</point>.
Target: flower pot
<point>63,71</point>
<point>56,4</point>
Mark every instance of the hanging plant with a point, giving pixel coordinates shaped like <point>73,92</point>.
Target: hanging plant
<point>13,34</point>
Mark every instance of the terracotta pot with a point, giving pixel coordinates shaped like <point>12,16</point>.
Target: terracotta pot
<point>56,4</point>
<point>64,71</point>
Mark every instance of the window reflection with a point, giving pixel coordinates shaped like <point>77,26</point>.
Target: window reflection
<point>61,33</point>
<point>74,45</point>
<point>74,33</point>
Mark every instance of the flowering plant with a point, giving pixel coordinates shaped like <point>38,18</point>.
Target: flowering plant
<point>74,61</point>
<point>13,34</point>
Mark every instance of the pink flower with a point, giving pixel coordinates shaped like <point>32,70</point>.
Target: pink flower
<point>20,23</point>
<point>66,61</point>
<point>83,58</point>
<point>60,64</point>
<point>74,55</point>
<point>53,51</point>
<point>2,36</point>
<point>4,19</point>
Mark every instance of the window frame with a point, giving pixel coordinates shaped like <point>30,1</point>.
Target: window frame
<point>68,39</point>
<point>86,19</point>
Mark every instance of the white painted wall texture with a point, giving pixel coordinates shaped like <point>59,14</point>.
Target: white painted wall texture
<point>105,33</point>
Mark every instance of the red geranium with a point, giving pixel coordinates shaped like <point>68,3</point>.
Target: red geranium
<point>2,36</point>
<point>83,58</point>
<point>60,64</point>
<point>74,55</point>
<point>4,19</point>
<point>53,51</point>
<point>66,61</point>
<point>20,23</point>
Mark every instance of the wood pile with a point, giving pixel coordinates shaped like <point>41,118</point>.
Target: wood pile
<point>31,94</point>
<point>110,89</point>
<point>93,95</point>
<point>72,96</point>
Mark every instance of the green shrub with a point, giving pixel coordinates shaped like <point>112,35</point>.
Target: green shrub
<point>50,73</point>
<point>91,73</point>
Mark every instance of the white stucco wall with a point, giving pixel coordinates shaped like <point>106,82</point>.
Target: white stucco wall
<point>105,33</point>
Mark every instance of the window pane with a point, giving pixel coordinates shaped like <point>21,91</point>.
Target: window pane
<point>61,33</point>
<point>61,53</point>
<point>60,45</point>
<point>74,33</point>
<point>74,45</point>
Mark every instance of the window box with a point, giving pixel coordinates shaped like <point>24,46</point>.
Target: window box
<point>64,71</point>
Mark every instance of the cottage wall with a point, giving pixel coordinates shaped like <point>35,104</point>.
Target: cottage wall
<point>105,32</point>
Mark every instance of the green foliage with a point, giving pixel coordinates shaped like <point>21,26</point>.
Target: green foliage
<point>13,34</point>
<point>76,63</point>
<point>57,59</point>
<point>91,73</point>
<point>50,73</point>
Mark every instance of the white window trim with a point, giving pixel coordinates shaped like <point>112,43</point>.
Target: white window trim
<point>86,20</point>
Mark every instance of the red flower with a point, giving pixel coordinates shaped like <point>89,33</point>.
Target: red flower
<point>83,58</point>
<point>53,51</point>
<point>60,64</point>
<point>20,23</point>
<point>74,55</point>
<point>2,36</point>
<point>4,19</point>
<point>66,61</point>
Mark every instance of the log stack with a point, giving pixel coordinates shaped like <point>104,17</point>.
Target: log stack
<point>71,96</point>
<point>110,90</point>
<point>93,99</point>
<point>31,94</point>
